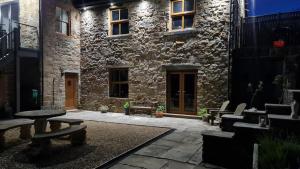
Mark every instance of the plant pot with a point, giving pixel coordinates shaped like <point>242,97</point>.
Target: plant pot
<point>126,111</point>
<point>159,114</point>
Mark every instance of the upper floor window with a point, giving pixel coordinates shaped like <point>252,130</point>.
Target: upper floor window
<point>118,83</point>
<point>62,21</point>
<point>119,23</point>
<point>182,14</point>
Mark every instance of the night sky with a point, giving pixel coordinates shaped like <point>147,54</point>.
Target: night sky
<point>265,7</point>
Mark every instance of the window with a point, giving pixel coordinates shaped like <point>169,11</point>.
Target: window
<point>182,14</point>
<point>119,22</point>
<point>118,83</point>
<point>62,21</point>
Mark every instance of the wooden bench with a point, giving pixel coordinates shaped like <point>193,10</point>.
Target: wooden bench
<point>77,133</point>
<point>55,123</point>
<point>24,124</point>
<point>141,107</point>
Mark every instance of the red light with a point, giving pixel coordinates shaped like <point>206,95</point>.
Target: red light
<point>279,44</point>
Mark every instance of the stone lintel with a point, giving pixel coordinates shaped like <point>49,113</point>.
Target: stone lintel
<point>180,67</point>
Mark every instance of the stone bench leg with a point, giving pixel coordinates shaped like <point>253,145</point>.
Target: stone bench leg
<point>2,140</point>
<point>54,126</point>
<point>78,138</point>
<point>25,132</point>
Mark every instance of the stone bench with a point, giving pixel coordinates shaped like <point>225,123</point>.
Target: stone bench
<point>217,148</point>
<point>55,123</point>
<point>77,133</point>
<point>228,120</point>
<point>141,107</point>
<point>24,124</point>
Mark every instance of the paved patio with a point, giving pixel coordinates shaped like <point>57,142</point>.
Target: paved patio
<point>181,149</point>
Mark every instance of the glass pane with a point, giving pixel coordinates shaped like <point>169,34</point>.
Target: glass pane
<point>58,26</point>
<point>174,92</point>
<point>125,28</point>
<point>124,14</point>
<point>114,75</point>
<point>64,28</point>
<point>124,75</point>
<point>115,15</point>
<point>177,7</point>
<point>124,90</point>
<point>115,90</point>
<point>188,21</point>
<point>65,16</point>
<point>115,29</point>
<point>177,22</point>
<point>58,13</point>
<point>15,12</point>
<point>188,5</point>
<point>189,93</point>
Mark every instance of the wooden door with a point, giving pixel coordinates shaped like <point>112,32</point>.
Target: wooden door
<point>181,93</point>
<point>71,83</point>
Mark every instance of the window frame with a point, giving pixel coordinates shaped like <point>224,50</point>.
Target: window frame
<point>119,21</point>
<point>60,22</point>
<point>181,14</point>
<point>111,82</point>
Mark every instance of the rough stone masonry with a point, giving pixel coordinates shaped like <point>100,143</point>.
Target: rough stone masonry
<point>149,46</point>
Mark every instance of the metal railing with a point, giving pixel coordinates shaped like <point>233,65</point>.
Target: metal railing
<point>8,44</point>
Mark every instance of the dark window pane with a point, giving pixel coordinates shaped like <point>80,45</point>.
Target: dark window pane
<point>177,7</point>
<point>124,14</point>
<point>114,74</point>
<point>188,5</point>
<point>115,15</point>
<point>125,28</point>
<point>124,90</point>
<point>177,23</point>
<point>188,21</point>
<point>14,12</point>
<point>115,29</point>
<point>123,75</point>
<point>115,90</point>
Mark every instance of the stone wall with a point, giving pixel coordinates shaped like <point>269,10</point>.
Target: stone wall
<point>61,52</point>
<point>149,46</point>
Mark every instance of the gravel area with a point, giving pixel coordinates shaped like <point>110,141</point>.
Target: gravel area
<point>104,142</point>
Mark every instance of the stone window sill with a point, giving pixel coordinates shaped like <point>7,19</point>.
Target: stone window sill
<point>124,36</point>
<point>118,98</point>
<point>181,32</point>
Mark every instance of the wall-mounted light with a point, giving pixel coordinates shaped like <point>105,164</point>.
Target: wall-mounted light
<point>112,4</point>
<point>85,8</point>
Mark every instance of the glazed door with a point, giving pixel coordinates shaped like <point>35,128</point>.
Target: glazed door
<point>181,93</point>
<point>71,82</point>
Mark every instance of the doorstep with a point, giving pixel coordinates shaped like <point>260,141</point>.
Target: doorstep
<point>181,116</point>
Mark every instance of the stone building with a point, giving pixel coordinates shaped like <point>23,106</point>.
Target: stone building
<point>172,52</point>
<point>184,67</point>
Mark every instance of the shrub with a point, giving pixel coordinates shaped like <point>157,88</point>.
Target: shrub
<point>276,153</point>
<point>161,108</point>
<point>126,105</point>
<point>202,113</point>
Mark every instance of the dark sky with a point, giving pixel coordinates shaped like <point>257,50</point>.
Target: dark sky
<point>265,7</point>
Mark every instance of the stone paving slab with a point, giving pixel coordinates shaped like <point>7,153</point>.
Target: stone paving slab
<point>122,166</point>
<point>153,150</point>
<point>182,153</point>
<point>144,162</point>
<point>177,165</point>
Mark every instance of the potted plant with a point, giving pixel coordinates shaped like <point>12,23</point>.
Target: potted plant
<point>203,114</point>
<point>103,109</point>
<point>160,111</point>
<point>126,108</point>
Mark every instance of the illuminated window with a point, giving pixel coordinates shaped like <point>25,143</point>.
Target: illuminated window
<point>182,14</point>
<point>118,83</point>
<point>119,23</point>
<point>62,21</point>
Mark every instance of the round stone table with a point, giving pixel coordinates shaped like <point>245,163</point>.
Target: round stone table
<point>40,117</point>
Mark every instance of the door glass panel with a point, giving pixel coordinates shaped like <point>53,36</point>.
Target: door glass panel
<point>189,93</point>
<point>174,92</point>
